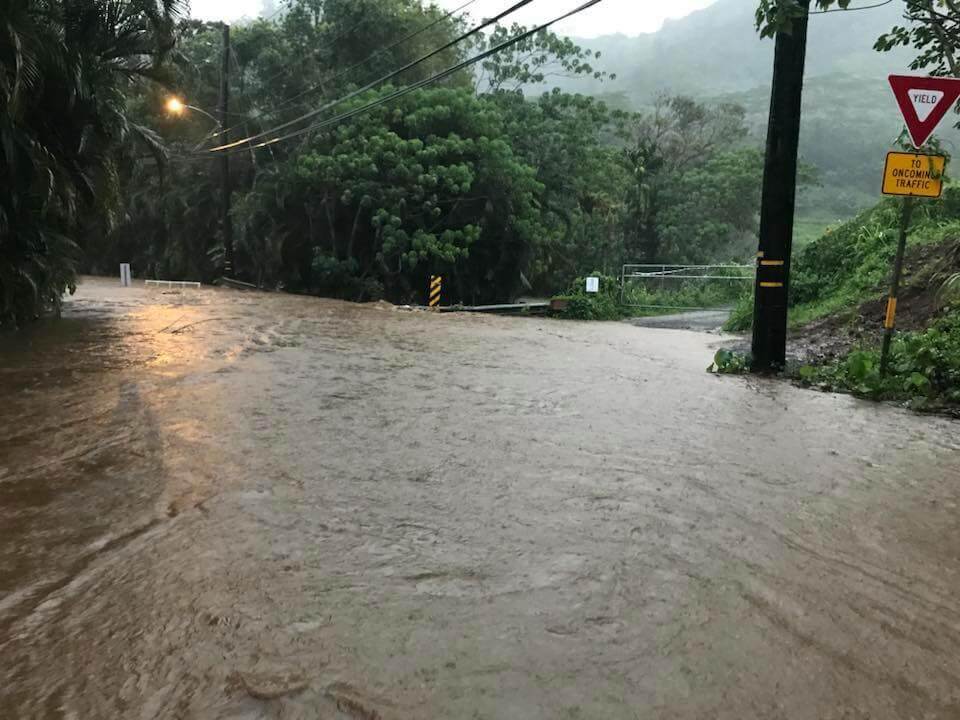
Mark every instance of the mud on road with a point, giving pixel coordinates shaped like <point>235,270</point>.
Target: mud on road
<point>226,505</point>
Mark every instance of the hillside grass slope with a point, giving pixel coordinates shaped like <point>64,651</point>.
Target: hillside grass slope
<point>839,295</point>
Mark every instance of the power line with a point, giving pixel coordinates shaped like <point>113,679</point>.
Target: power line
<point>285,71</point>
<point>376,53</point>
<point>272,15</point>
<point>850,9</point>
<point>422,83</point>
<point>386,78</point>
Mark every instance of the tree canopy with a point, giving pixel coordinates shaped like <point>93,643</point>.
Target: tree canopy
<point>490,176</point>
<point>65,70</point>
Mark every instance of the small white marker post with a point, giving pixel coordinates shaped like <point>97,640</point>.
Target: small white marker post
<point>593,284</point>
<point>125,277</point>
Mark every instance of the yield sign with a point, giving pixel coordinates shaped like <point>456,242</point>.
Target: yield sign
<point>924,102</point>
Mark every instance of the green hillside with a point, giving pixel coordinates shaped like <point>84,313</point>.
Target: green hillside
<point>850,119</point>
<point>717,50</point>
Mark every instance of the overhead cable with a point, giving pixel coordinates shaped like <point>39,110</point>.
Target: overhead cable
<point>379,81</point>
<point>421,84</point>
<point>376,53</point>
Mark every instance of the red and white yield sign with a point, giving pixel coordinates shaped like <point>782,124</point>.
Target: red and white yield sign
<point>924,102</point>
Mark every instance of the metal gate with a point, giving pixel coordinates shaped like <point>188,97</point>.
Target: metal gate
<point>684,287</point>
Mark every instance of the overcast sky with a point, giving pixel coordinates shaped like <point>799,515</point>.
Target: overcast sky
<point>630,17</point>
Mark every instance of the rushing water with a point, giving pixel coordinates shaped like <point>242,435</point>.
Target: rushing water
<point>226,505</point>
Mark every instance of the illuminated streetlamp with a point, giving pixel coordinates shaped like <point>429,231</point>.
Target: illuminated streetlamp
<point>176,106</point>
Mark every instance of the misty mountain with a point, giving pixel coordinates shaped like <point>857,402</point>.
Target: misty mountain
<point>850,117</point>
<point>718,50</point>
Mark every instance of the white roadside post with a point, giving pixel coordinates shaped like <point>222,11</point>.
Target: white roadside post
<point>125,277</point>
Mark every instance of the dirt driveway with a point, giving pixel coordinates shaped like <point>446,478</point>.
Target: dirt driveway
<point>227,505</point>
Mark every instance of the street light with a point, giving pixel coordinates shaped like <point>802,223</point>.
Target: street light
<point>176,106</point>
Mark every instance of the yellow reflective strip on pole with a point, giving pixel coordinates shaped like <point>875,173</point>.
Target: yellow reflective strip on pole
<point>891,320</point>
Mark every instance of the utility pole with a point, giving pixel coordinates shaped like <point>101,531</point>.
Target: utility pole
<point>779,197</point>
<point>226,222</point>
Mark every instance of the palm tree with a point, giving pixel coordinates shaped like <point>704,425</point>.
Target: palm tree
<point>65,69</point>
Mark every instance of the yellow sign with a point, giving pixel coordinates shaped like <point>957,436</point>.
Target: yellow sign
<point>914,175</point>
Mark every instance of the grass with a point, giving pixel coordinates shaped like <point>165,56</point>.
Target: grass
<point>809,229</point>
<point>851,263</point>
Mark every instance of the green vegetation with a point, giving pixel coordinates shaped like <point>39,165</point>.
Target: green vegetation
<point>924,369</point>
<point>851,264</point>
<point>603,305</point>
<point>646,296</point>
<point>849,268</point>
<point>65,132</point>
<point>841,280</point>
<point>849,116</point>
<point>728,362</point>
<point>482,178</point>
<point>741,318</point>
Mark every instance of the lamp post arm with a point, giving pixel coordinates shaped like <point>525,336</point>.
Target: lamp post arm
<point>205,113</point>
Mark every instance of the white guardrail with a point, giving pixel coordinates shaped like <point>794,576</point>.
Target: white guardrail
<point>172,284</point>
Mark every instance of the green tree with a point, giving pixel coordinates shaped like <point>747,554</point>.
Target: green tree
<point>667,151</point>
<point>428,185</point>
<point>533,61</point>
<point>64,70</point>
<point>571,141</point>
<point>492,190</point>
<point>934,33</point>
<point>568,139</point>
<point>710,212</point>
<point>933,29</point>
<point>775,16</point>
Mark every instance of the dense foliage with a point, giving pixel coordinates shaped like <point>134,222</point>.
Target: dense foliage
<point>488,177</point>
<point>484,178</point>
<point>602,305</point>
<point>850,264</point>
<point>65,69</point>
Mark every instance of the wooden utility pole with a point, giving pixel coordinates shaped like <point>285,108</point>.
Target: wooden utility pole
<point>779,197</point>
<point>226,222</point>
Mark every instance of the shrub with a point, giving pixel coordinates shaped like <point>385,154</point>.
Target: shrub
<point>924,368</point>
<point>741,318</point>
<point>729,362</point>
<point>604,305</point>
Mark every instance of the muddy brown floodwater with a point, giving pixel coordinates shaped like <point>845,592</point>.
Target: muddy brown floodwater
<point>227,505</point>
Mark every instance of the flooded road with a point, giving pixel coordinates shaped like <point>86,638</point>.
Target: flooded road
<point>226,505</point>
